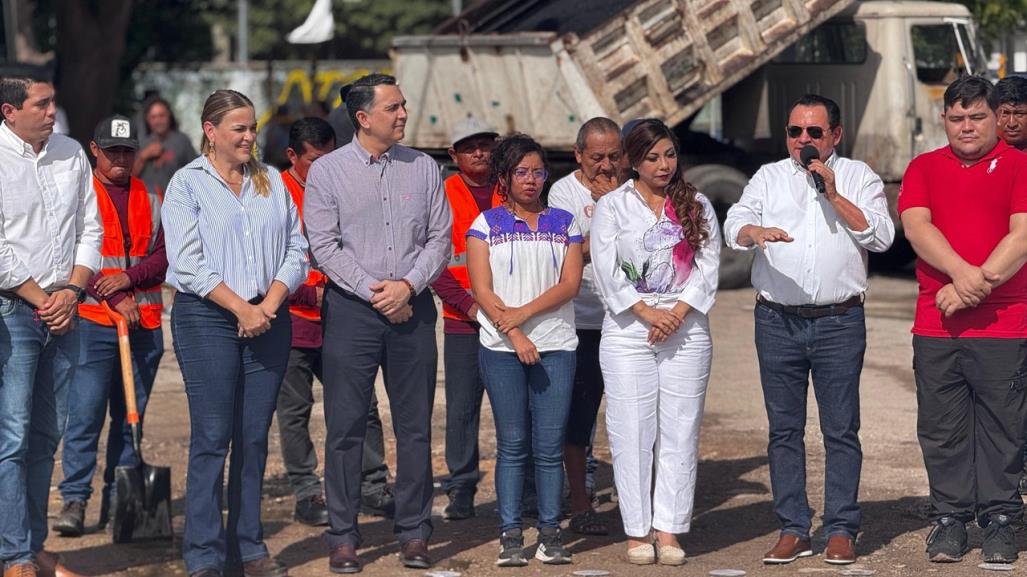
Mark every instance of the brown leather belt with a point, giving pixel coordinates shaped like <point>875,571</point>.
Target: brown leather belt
<point>813,311</point>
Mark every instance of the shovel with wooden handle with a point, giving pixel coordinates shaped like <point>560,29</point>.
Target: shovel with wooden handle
<point>142,507</point>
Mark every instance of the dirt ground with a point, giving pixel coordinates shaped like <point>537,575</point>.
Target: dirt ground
<point>733,523</point>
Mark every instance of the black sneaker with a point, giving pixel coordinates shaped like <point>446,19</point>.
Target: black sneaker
<point>999,544</point>
<point>947,541</point>
<point>311,511</point>
<point>381,504</point>
<point>71,521</point>
<point>511,549</point>
<point>550,547</point>
<point>461,506</point>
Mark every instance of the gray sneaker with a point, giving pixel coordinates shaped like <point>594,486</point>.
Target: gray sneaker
<point>550,547</point>
<point>511,549</point>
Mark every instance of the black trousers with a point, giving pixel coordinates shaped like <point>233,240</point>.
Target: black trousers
<point>971,403</point>
<point>295,403</point>
<point>357,341</point>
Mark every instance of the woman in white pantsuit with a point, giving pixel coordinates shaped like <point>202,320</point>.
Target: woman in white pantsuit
<point>656,249</point>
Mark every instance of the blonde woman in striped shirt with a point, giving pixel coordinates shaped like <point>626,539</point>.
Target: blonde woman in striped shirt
<point>235,252</point>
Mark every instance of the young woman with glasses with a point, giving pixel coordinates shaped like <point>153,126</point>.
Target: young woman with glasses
<point>525,264</point>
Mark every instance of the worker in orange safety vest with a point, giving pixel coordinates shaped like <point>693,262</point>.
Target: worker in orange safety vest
<point>469,192</point>
<point>129,281</point>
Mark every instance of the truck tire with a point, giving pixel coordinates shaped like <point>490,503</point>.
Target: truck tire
<point>723,185</point>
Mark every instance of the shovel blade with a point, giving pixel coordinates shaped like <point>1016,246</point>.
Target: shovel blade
<point>142,503</point>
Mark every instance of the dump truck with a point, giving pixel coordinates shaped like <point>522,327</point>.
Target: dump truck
<point>544,67</point>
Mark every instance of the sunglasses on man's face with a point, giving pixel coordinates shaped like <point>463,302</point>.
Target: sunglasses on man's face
<point>814,132</point>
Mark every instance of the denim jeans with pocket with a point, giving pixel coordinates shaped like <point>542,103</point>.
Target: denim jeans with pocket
<point>791,349</point>
<point>530,404</point>
<point>35,371</point>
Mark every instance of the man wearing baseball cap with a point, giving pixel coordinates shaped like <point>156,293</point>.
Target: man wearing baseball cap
<point>469,192</point>
<point>129,281</point>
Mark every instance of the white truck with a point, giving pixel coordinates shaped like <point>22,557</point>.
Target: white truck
<point>544,67</point>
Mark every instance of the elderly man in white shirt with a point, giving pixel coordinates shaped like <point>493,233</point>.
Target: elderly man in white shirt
<point>50,235</point>
<point>813,226</point>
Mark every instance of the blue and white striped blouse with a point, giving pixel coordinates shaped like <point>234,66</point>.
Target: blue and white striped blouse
<point>213,236</point>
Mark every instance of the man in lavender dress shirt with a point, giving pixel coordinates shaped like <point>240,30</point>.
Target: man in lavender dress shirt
<point>379,228</point>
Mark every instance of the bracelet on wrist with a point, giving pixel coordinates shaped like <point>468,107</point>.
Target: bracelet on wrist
<point>413,293</point>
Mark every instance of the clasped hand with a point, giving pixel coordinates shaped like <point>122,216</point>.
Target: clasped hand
<point>254,320</point>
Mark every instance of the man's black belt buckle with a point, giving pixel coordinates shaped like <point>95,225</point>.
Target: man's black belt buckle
<point>813,311</point>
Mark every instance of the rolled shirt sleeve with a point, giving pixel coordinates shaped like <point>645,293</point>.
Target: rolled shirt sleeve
<point>748,210</point>
<point>700,290</point>
<point>88,228</point>
<point>294,268</point>
<point>180,217</point>
<point>872,202</point>
<point>13,272</point>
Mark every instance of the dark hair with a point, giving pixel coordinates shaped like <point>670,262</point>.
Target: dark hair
<point>682,194</point>
<point>14,88</point>
<point>1011,90</point>
<point>597,125</point>
<point>218,104</point>
<point>154,100</point>
<point>359,95</point>
<point>313,131</point>
<point>834,114</point>
<point>508,153</point>
<point>968,90</point>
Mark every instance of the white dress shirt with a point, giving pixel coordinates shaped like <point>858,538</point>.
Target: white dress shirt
<point>826,263</point>
<point>637,256</point>
<point>569,194</point>
<point>49,222</point>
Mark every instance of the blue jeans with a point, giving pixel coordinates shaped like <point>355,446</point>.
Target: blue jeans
<point>530,404</point>
<point>464,391</point>
<point>35,371</point>
<point>831,348</point>
<point>232,385</point>
<point>97,380</point>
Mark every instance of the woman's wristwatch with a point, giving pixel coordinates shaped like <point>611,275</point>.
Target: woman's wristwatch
<point>80,293</point>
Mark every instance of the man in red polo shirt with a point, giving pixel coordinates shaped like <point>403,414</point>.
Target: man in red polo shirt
<point>964,209</point>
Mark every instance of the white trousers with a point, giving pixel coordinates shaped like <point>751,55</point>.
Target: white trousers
<point>654,406</point>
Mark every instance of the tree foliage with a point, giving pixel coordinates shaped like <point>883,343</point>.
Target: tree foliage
<point>996,18</point>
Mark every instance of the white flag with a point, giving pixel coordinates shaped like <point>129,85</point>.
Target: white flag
<point>318,27</point>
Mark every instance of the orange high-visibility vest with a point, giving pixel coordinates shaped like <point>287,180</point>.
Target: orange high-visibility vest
<point>465,210</point>
<point>315,278</point>
<point>118,253</point>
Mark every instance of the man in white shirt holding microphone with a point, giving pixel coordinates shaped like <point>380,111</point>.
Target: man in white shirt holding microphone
<point>813,217</point>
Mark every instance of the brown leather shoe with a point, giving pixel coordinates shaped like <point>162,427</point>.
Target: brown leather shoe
<point>21,570</point>
<point>414,554</point>
<point>840,550</point>
<point>343,559</point>
<point>50,566</point>
<point>266,567</point>
<point>789,548</point>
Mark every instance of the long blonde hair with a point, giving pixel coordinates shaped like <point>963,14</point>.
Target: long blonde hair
<point>218,104</point>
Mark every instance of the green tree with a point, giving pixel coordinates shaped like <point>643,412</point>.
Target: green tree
<point>996,18</point>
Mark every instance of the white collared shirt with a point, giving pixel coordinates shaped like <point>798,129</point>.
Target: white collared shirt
<point>826,263</point>
<point>49,222</point>
<point>641,257</point>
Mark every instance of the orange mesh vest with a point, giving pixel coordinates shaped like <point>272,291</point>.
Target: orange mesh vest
<point>119,253</point>
<point>465,210</point>
<point>315,278</point>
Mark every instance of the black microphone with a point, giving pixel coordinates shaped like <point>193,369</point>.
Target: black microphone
<point>806,155</point>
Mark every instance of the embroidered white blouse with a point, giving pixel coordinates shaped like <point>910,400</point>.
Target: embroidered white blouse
<point>639,256</point>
